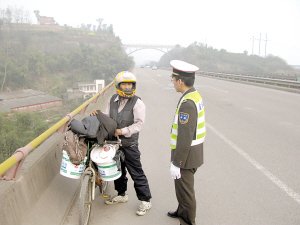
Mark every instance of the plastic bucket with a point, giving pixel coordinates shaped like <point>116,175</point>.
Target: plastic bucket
<point>108,171</point>
<point>107,167</point>
<point>70,170</point>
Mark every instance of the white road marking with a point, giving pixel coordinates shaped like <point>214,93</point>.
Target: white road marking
<point>286,189</point>
<point>289,124</point>
<point>250,109</point>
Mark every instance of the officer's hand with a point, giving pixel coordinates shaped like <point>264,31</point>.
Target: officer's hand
<point>118,132</point>
<point>94,113</point>
<point>175,172</point>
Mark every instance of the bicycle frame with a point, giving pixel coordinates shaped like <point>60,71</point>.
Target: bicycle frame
<point>91,172</point>
<point>88,185</point>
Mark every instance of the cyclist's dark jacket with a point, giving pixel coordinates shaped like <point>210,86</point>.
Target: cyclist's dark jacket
<point>106,129</point>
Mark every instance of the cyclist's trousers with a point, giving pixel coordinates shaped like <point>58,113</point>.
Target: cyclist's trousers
<point>133,165</point>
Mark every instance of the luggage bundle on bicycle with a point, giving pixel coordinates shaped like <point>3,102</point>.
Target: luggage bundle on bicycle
<point>78,143</point>
<point>73,155</point>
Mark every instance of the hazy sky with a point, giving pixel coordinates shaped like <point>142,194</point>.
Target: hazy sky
<point>229,24</point>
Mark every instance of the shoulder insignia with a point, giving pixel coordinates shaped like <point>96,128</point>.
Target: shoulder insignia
<point>183,117</point>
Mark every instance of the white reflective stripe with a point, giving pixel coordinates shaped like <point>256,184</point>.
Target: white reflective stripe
<point>173,142</point>
<point>174,131</point>
<point>197,142</point>
<point>176,119</point>
<point>201,119</point>
<point>201,131</point>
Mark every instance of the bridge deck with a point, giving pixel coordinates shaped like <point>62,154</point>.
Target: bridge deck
<point>251,170</point>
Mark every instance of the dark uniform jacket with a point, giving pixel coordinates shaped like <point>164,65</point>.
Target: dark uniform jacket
<point>186,156</point>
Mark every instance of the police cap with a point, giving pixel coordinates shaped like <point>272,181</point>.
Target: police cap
<point>181,68</point>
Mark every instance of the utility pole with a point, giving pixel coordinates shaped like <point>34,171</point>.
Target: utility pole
<point>253,39</point>
<point>266,40</point>
<point>259,44</point>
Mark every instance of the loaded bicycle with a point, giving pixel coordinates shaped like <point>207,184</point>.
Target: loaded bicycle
<point>100,168</point>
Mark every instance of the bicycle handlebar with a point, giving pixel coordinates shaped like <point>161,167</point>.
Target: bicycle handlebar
<point>118,142</point>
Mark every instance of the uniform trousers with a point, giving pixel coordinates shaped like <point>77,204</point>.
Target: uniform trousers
<point>133,165</point>
<point>185,194</point>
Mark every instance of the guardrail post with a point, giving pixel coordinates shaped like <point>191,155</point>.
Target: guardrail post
<point>19,155</point>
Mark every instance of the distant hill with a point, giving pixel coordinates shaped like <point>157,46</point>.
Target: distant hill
<point>213,60</point>
<point>297,67</point>
<point>52,58</point>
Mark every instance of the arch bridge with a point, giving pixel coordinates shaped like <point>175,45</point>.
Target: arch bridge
<point>131,48</point>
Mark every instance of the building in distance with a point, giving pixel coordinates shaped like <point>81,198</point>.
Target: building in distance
<point>85,90</point>
<point>27,100</point>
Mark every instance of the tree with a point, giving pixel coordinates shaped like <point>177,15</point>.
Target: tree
<point>14,131</point>
<point>5,49</point>
<point>99,20</point>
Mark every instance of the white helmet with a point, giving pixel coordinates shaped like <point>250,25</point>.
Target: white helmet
<point>125,77</point>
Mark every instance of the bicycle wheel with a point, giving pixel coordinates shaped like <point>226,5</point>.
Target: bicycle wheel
<point>85,200</point>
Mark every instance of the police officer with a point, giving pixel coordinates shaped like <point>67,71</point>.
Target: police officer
<point>128,110</point>
<point>187,137</point>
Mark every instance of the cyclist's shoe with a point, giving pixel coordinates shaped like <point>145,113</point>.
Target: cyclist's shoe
<point>117,199</point>
<point>143,208</point>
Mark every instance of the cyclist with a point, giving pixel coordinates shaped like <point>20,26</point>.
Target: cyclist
<point>128,110</point>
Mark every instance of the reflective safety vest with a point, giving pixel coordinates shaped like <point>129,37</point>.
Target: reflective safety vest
<point>200,131</point>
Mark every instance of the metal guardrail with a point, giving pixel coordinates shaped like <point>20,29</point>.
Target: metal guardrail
<point>9,167</point>
<point>295,85</point>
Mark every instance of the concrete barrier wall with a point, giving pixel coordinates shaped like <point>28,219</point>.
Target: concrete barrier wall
<point>40,195</point>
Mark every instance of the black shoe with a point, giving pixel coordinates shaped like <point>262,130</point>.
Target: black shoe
<point>173,214</point>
